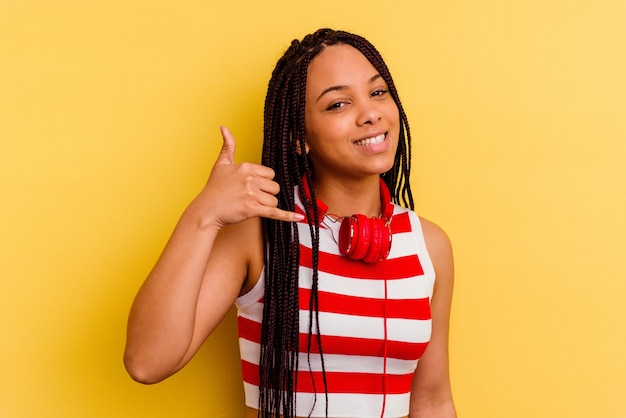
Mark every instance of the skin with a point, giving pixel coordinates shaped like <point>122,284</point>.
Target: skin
<point>215,253</point>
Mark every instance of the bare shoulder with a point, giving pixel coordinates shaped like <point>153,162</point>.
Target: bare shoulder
<point>436,238</point>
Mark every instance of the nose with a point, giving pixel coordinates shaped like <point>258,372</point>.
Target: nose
<point>369,114</point>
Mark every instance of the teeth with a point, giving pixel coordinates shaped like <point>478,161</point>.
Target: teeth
<point>371,141</point>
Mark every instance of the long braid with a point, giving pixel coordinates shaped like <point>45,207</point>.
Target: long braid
<point>314,231</point>
<point>284,151</point>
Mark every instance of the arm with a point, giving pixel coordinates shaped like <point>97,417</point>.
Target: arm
<point>431,395</point>
<point>215,247</point>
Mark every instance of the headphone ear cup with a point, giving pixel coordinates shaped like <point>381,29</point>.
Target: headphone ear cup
<point>354,236</point>
<point>374,251</point>
<point>348,236</point>
<point>364,234</point>
<point>363,238</point>
<point>387,237</point>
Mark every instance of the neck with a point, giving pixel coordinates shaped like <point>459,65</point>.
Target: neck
<point>346,198</point>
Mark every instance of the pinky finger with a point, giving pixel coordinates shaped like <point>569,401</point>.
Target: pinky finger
<point>283,215</point>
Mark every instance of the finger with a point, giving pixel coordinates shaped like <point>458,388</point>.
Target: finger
<point>227,154</point>
<point>282,215</point>
<point>268,186</point>
<point>266,199</point>
<point>257,170</point>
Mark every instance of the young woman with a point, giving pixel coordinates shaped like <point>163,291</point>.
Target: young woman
<point>343,295</point>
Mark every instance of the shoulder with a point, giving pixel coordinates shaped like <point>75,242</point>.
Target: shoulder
<point>436,238</point>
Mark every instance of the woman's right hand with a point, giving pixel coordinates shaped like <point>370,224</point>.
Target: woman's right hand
<point>236,192</point>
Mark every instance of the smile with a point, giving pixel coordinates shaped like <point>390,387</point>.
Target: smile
<point>371,141</point>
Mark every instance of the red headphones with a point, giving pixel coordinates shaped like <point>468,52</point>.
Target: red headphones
<point>368,239</point>
<point>363,238</point>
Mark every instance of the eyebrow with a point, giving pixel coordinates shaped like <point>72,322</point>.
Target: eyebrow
<point>341,87</point>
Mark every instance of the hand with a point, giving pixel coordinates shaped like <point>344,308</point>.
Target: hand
<point>236,192</point>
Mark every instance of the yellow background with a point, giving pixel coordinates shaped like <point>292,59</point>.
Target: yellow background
<point>109,115</point>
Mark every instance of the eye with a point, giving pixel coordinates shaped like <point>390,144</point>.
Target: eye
<point>379,92</point>
<point>336,106</point>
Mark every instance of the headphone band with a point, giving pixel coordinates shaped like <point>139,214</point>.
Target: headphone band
<point>360,237</point>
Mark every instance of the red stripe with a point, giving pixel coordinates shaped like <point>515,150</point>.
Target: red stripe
<point>397,268</point>
<point>372,307</point>
<point>339,382</point>
<point>368,383</point>
<point>363,347</point>
<point>401,223</point>
<point>251,331</point>
<point>250,373</point>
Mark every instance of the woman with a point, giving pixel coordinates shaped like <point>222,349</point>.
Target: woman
<point>340,313</point>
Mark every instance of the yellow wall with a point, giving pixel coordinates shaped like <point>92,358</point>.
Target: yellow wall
<point>109,115</point>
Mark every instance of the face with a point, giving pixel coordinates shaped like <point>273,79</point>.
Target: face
<point>351,120</point>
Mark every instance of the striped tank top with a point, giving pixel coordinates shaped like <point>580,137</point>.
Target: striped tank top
<point>374,320</point>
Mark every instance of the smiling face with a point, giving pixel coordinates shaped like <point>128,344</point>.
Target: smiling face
<point>351,120</point>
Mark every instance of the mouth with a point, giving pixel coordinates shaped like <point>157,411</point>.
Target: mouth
<point>374,140</point>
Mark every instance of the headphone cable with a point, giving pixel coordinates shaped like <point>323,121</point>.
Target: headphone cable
<point>385,338</point>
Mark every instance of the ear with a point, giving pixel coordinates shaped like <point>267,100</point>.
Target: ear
<point>299,151</point>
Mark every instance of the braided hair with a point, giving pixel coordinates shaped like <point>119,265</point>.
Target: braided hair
<point>284,151</point>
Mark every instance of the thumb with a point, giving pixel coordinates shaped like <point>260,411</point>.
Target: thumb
<point>227,154</point>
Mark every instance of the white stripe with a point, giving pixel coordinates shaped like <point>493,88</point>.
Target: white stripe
<point>417,287</point>
<point>403,244</point>
<point>341,325</point>
<point>410,288</point>
<point>409,330</point>
<point>341,405</point>
<point>253,312</point>
<point>255,294</point>
<point>353,405</point>
<point>356,364</point>
<point>250,351</point>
